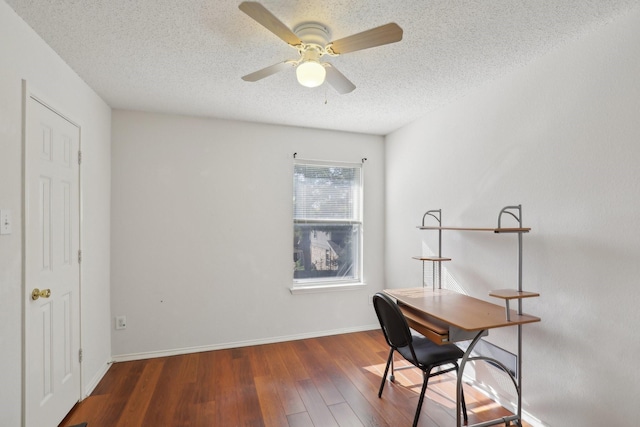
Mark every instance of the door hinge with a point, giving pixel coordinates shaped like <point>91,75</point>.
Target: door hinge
<point>79,256</point>
<point>80,355</point>
<point>79,157</point>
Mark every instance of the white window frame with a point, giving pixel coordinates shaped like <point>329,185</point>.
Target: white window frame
<point>328,284</point>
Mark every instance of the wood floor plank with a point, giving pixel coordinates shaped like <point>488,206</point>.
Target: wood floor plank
<point>345,416</point>
<point>222,382</point>
<point>362,383</point>
<point>86,409</point>
<point>313,363</point>
<point>271,408</point>
<point>119,390</point>
<point>166,393</point>
<point>136,407</point>
<point>257,358</point>
<point>187,411</point>
<point>316,408</point>
<point>213,367</point>
<point>247,401</point>
<point>292,361</point>
<point>202,414</point>
<point>117,374</point>
<point>189,368</point>
<point>359,385</point>
<point>286,385</point>
<point>301,419</point>
<point>327,353</point>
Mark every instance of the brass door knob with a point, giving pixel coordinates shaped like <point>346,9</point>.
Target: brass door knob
<point>37,293</point>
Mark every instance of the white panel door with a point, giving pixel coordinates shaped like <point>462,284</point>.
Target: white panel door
<point>52,226</point>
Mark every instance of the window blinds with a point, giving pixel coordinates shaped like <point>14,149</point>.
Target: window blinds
<point>327,191</point>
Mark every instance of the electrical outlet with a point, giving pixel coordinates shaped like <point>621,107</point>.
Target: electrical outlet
<point>121,322</point>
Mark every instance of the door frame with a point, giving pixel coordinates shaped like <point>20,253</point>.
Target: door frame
<point>31,93</point>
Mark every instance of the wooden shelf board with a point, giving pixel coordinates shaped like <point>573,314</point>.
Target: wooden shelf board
<point>430,258</point>
<point>512,294</point>
<point>512,230</point>
<point>493,230</point>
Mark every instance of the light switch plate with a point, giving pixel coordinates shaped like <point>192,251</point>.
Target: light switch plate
<point>5,221</point>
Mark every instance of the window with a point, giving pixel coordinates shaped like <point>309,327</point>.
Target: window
<point>327,223</point>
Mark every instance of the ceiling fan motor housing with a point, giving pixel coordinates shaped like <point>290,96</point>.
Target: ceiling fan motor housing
<point>313,33</point>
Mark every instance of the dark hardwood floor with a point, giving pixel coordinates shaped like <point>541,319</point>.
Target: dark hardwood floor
<point>328,381</point>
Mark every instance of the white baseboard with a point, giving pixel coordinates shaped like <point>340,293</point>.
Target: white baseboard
<point>236,344</point>
<point>91,385</point>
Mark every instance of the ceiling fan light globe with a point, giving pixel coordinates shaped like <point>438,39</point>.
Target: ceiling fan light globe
<point>311,74</point>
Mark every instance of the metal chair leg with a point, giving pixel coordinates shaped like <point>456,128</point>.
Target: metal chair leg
<point>425,375</point>
<point>386,370</point>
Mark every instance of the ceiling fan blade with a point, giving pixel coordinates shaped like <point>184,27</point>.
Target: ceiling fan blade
<point>338,81</point>
<point>259,13</point>
<point>268,71</point>
<point>385,34</point>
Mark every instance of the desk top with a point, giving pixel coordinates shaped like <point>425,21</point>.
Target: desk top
<point>461,311</point>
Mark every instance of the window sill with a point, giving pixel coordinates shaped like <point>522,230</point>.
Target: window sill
<point>311,289</point>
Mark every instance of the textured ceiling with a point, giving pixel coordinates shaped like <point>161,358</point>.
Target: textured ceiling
<point>187,56</point>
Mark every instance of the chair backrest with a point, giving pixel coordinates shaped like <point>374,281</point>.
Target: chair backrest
<point>392,321</point>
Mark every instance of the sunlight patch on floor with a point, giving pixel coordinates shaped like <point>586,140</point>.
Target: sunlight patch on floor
<point>410,377</point>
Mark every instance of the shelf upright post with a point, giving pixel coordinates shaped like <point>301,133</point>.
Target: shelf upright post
<point>518,217</point>
<point>437,214</point>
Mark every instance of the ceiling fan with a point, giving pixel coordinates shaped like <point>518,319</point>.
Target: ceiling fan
<point>311,40</point>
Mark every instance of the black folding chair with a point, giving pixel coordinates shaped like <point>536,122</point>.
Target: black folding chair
<point>417,350</point>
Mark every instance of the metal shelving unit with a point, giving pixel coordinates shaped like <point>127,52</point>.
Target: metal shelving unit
<point>505,294</point>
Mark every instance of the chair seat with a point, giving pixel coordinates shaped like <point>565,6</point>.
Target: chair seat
<point>430,353</point>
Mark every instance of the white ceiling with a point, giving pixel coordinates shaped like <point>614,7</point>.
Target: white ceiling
<point>187,56</point>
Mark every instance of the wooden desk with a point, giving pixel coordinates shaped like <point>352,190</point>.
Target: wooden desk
<point>442,313</point>
<point>446,316</point>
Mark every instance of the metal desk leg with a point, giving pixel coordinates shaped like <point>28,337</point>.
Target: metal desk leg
<point>463,362</point>
<point>517,417</point>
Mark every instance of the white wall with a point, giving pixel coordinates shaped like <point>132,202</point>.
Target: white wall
<point>23,55</point>
<point>562,137</point>
<point>202,233</point>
